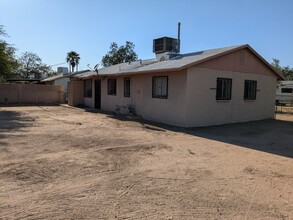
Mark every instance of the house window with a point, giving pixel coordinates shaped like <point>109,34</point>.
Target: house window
<point>160,87</point>
<point>224,89</point>
<point>88,88</point>
<point>111,86</point>
<point>287,90</point>
<point>250,90</point>
<point>127,87</point>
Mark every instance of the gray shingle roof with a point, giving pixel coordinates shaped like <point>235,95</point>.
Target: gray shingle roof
<point>177,62</point>
<point>86,74</point>
<point>59,76</point>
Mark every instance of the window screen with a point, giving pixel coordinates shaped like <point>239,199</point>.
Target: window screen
<point>127,87</point>
<point>88,88</point>
<point>111,86</point>
<point>224,89</point>
<point>160,87</point>
<point>250,89</point>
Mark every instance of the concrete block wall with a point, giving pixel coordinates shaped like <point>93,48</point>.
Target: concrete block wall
<point>31,94</point>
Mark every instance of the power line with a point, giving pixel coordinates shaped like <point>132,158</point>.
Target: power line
<point>58,64</point>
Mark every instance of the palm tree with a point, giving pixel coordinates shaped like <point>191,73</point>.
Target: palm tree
<point>73,60</point>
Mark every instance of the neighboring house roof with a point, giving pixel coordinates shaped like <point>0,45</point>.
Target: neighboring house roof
<point>86,74</point>
<point>60,76</point>
<point>176,63</point>
<point>52,78</point>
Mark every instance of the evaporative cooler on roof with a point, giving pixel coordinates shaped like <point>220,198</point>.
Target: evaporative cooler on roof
<point>164,44</point>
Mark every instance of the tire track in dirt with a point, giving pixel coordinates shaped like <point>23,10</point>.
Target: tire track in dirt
<point>106,167</point>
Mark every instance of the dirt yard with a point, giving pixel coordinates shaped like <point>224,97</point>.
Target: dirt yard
<point>63,163</point>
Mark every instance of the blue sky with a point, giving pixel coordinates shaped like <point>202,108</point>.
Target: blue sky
<point>51,28</point>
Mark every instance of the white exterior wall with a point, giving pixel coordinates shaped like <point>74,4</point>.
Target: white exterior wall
<point>203,109</point>
<point>62,82</point>
<point>171,110</point>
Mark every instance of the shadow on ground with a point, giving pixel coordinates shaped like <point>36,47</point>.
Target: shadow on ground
<point>270,136</point>
<point>12,121</point>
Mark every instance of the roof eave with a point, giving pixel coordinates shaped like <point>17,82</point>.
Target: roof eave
<point>181,67</point>
<point>142,72</point>
<point>279,76</point>
<point>86,77</point>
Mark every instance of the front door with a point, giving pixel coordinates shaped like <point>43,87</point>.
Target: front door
<point>98,94</point>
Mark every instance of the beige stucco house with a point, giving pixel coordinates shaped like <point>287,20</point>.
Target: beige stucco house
<point>211,87</point>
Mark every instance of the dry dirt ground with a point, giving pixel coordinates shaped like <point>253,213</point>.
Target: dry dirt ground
<point>63,163</point>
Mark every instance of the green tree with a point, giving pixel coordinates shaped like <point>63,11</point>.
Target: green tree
<point>31,66</point>
<point>285,70</point>
<point>73,60</point>
<point>8,62</point>
<point>53,73</point>
<point>2,31</point>
<point>276,65</point>
<point>122,54</point>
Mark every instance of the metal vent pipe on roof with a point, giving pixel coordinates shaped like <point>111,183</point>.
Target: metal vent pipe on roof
<point>178,39</point>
